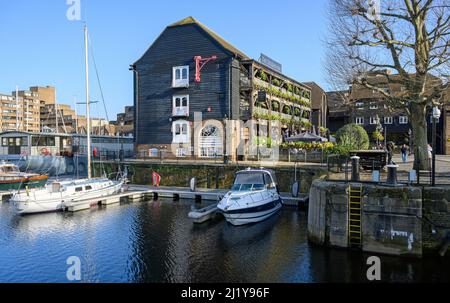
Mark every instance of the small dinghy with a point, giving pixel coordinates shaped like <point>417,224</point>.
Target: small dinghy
<point>204,214</point>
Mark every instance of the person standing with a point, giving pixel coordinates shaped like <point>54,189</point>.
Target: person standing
<point>404,153</point>
<point>430,151</point>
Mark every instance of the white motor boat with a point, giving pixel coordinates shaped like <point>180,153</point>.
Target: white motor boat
<point>254,197</point>
<point>54,196</point>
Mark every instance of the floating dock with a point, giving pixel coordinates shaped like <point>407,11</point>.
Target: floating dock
<point>137,193</point>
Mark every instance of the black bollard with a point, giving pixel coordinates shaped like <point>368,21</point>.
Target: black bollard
<point>355,168</point>
<point>392,174</point>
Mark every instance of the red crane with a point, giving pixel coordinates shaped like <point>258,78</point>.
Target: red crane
<point>199,64</point>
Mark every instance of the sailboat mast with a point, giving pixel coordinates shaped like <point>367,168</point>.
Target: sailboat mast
<point>88,118</point>
<point>56,113</point>
<point>17,108</point>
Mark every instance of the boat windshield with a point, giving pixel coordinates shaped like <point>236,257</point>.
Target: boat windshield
<point>249,181</point>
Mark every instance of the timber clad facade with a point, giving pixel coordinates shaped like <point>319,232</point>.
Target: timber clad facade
<point>177,113</point>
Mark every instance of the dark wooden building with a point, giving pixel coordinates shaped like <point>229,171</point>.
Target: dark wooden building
<point>194,92</point>
<point>338,110</point>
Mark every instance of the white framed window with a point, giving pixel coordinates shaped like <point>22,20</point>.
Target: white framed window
<point>359,120</point>
<point>180,106</point>
<point>388,120</point>
<point>359,104</point>
<point>374,120</point>
<point>211,142</point>
<point>373,105</point>
<point>181,131</point>
<point>180,76</point>
<point>403,120</point>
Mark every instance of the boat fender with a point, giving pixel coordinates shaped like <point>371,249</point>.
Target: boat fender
<point>295,189</point>
<point>156,179</point>
<point>193,184</point>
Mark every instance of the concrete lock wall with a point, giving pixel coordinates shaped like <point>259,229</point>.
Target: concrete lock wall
<point>391,217</point>
<point>436,219</point>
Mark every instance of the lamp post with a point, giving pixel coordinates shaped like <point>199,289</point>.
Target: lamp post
<point>410,143</point>
<point>121,153</point>
<point>436,116</point>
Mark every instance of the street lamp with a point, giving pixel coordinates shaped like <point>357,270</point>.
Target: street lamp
<point>436,116</point>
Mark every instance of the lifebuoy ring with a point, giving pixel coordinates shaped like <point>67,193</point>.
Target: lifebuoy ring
<point>45,151</point>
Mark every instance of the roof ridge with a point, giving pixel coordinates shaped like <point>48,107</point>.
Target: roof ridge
<point>225,44</point>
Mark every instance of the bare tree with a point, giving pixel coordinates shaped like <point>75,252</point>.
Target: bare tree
<point>410,37</point>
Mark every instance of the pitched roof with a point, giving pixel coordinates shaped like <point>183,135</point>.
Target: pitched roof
<point>216,37</point>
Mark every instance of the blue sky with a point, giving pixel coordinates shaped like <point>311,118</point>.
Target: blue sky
<point>40,46</point>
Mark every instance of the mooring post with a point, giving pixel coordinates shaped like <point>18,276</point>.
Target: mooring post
<point>392,174</point>
<point>355,168</point>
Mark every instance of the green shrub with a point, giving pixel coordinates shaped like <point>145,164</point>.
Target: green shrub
<point>343,150</point>
<point>353,136</point>
<point>287,110</point>
<point>263,76</point>
<point>276,82</point>
<point>377,136</point>
<point>275,106</point>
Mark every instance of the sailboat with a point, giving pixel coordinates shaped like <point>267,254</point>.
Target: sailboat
<point>55,195</point>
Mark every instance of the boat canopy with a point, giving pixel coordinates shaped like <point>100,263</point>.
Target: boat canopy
<point>253,179</point>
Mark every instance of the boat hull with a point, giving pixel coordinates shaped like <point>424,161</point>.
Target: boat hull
<point>22,183</point>
<point>58,204</point>
<point>252,215</point>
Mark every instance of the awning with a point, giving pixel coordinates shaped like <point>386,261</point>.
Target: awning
<point>306,137</point>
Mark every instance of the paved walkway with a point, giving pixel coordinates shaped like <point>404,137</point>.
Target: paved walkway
<point>442,163</point>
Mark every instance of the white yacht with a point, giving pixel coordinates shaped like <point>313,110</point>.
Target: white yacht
<point>254,197</point>
<point>54,196</point>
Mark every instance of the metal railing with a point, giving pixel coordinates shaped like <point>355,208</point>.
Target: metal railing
<point>339,168</point>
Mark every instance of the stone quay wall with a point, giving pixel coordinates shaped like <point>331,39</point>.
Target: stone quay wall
<point>209,175</point>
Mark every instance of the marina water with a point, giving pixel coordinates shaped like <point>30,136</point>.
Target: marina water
<point>156,242</point>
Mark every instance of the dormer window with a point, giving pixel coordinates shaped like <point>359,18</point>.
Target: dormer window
<point>180,76</point>
<point>403,120</point>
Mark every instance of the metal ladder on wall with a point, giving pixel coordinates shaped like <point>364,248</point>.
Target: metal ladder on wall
<point>354,215</point>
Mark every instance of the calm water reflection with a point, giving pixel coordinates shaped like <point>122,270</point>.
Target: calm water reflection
<point>156,242</point>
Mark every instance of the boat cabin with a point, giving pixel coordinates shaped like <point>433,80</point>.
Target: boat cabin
<point>8,168</point>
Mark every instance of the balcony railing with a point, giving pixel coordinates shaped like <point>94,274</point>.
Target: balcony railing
<point>180,112</point>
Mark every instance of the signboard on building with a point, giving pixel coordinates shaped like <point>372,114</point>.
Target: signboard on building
<point>269,62</point>
<point>262,96</point>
